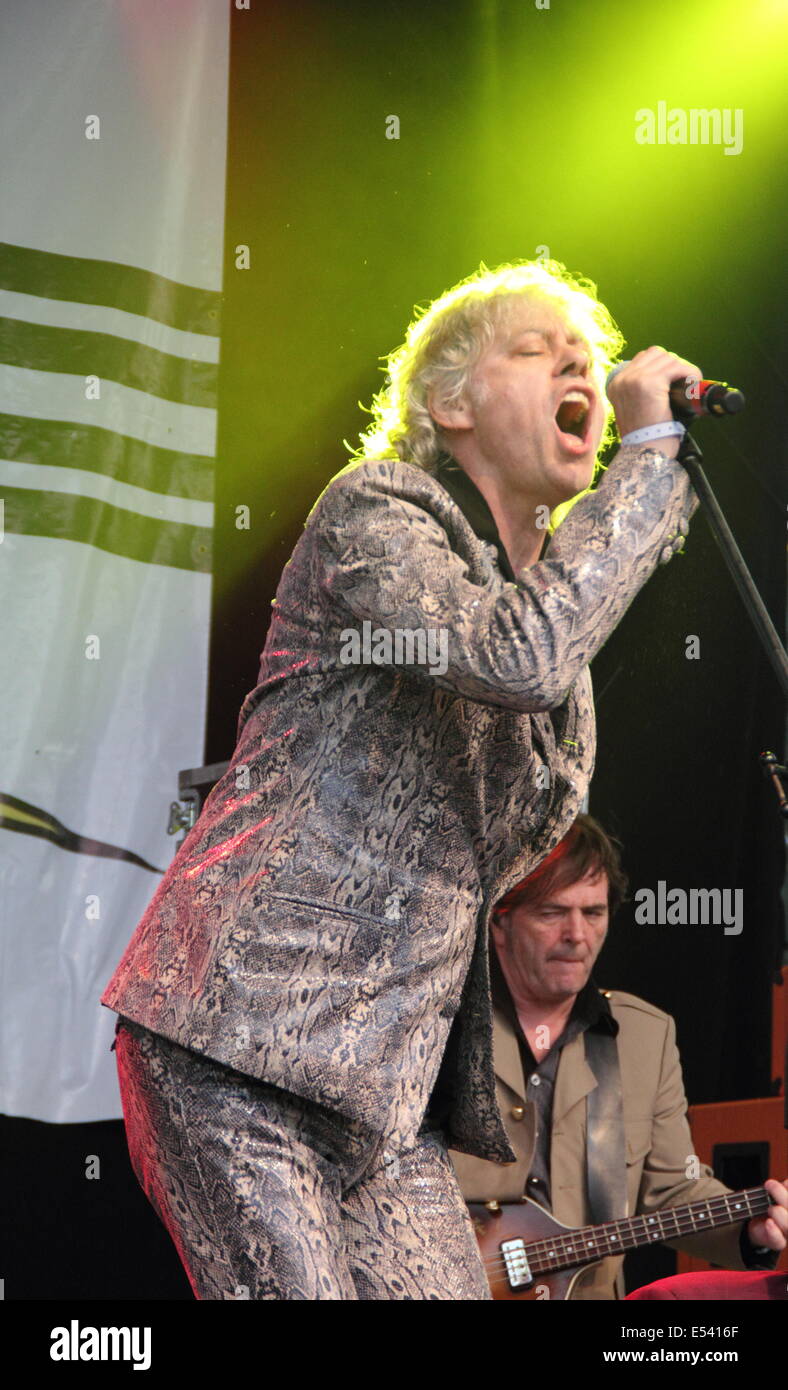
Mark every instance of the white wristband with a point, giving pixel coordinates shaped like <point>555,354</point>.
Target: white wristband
<point>654,432</point>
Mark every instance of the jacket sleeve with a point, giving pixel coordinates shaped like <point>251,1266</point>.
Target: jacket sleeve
<point>664,1181</point>
<point>386,558</point>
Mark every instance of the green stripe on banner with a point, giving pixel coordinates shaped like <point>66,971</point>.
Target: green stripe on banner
<point>61,444</point>
<point>110,283</point>
<point>64,516</point>
<point>42,348</point>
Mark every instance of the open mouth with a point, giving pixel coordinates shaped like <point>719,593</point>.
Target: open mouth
<point>572,419</point>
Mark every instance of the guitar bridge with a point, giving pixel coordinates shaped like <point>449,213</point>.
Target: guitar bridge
<point>518,1270</point>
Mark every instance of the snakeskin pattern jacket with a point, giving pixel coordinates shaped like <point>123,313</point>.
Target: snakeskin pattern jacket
<point>324,925</point>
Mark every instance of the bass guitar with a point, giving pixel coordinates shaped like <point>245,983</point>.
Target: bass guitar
<point>529,1255</point>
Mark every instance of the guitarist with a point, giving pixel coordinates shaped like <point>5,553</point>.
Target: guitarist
<point>548,932</point>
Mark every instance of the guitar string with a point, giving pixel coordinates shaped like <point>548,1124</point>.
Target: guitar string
<point>755,1200</point>
<point>567,1251</point>
<point>707,1209</point>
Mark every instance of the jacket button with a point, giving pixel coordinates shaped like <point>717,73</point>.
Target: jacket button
<point>517,1112</point>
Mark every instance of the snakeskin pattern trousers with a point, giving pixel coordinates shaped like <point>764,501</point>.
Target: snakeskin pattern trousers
<point>270,1196</point>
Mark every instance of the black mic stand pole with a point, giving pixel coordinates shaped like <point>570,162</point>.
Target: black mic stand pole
<point>690,456</point>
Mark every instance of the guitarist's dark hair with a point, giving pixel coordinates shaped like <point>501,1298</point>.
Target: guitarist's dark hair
<point>585,849</point>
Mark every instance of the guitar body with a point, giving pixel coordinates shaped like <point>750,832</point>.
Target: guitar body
<point>524,1220</point>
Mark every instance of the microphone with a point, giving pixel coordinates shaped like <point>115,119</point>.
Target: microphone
<point>695,398</point>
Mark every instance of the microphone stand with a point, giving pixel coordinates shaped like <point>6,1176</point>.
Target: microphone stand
<point>690,456</point>
<point>775,773</point>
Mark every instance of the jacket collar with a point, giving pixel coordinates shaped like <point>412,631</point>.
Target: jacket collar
<point>473,505</point>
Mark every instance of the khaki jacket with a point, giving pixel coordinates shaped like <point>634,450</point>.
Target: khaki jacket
<point>325,921</point>
<point>658,1140</point>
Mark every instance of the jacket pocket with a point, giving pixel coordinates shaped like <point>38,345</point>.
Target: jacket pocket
<point>326,947</point>
<point>329,909</point>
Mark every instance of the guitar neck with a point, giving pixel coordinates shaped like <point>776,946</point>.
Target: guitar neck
<point>590,1243</point>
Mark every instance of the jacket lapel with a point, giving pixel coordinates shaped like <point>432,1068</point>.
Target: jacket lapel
<point>573,1082</point>
<point>506,1051</point>
<point>574,1079</point>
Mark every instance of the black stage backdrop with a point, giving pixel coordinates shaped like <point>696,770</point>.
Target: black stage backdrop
<point>346,230</point>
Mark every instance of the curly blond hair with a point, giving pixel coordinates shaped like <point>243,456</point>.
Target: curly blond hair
<point>445,341</point>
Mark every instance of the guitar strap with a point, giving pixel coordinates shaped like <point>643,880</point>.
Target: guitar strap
<point>606,1160</point>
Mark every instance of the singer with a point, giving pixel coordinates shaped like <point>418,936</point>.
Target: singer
<point>318,949</point>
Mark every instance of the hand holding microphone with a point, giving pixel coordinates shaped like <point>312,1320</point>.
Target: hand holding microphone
<point>639,392</point>
<point>657,387</point>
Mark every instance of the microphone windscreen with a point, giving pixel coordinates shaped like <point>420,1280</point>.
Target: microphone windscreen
<point>614,372</point>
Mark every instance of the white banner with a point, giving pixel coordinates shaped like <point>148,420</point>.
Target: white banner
<point>113,126</point>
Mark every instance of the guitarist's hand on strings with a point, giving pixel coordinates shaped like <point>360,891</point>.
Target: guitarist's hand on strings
<point>772,1230</point>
